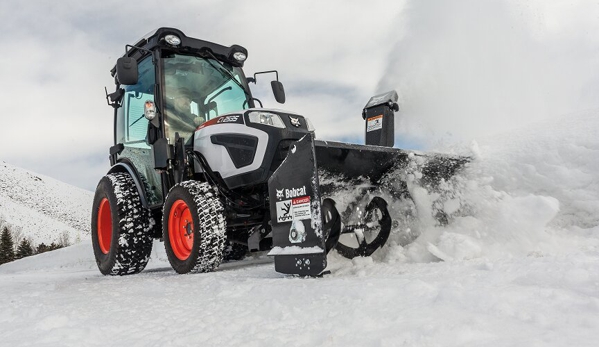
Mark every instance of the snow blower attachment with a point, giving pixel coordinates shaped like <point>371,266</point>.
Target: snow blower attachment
<point>306,224</point>
<point>198,163</point>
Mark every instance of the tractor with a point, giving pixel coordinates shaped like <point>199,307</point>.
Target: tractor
<point>201,165</point>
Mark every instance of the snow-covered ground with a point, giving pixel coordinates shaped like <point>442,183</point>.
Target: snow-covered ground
<point>518,266</point>
<point>60,299</point>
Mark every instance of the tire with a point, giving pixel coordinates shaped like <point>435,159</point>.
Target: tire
<point>193,228</point>
<point>121,226</point>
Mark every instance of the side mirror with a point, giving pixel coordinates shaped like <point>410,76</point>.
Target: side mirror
<point>126,71</point>
<point>278,91</point>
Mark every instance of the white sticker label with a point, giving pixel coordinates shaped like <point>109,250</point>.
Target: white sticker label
<point>295,209</point>
<point>284,211</point>
<point>374,123</point>
<point>301,208</point>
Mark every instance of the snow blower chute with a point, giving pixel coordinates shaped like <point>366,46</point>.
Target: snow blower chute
<point>306,224</point>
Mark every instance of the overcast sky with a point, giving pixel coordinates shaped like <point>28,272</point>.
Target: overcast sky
<point>463,69</point>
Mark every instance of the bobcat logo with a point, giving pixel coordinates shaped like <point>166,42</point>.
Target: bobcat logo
<point>294,121</point>
<point>280,193</point>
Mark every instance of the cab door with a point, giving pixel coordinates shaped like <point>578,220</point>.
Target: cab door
<point>132,129</point>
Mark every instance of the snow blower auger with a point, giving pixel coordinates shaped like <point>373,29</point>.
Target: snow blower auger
<point>198,163</point>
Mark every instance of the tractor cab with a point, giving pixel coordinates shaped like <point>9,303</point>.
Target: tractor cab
<point>167,85</point>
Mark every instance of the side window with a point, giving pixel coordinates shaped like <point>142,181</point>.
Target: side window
<point>134,125</point>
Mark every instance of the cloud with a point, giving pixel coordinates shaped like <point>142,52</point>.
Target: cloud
<point>57,59</point>
<point>462,67</point>
<point>471,68</point>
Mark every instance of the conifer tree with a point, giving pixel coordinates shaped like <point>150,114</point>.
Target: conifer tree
<point>24,250</point>
<point>41,248</point>
<point>7,252</point>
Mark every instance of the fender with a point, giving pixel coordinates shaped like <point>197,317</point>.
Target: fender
<point>126,166</point>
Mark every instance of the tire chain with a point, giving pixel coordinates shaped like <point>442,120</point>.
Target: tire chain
<point>212,228</point>
<point>135,224</point>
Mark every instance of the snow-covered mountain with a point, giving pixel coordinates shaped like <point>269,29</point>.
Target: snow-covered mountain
<point>42,207</point>
<point>518,266</point>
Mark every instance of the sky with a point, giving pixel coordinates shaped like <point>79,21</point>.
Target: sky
<point>463,69</point>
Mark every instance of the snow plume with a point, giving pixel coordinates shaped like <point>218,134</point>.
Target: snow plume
<point>534,191</point>
<point>469,68</point>
<point>488,223</point>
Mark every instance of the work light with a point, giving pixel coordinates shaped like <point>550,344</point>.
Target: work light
<point>172,40</point>
<point>239,56</point>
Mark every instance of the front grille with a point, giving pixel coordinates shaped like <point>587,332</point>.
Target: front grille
<point>241,148</point>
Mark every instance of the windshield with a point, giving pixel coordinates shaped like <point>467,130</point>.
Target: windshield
<point>198,89</point>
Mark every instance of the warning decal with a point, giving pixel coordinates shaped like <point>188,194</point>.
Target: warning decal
<point>374,123</point>
<point>301,208</point>
<point>295,209</point>
<point>284,211</point>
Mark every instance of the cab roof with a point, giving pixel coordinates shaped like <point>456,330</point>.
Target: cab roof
<point>155,39</point>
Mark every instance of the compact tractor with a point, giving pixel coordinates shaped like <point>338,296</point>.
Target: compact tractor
<point>198,163</point>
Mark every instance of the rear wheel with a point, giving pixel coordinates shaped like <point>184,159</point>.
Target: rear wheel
<point>193,227</point>
<point>121,226</point>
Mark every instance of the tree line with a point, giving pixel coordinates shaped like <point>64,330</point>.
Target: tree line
<point>11,250</point>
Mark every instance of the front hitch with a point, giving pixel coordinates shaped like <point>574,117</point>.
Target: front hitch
<point>295,208</point>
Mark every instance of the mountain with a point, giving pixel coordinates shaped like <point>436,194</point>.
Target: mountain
<point>43,208</point>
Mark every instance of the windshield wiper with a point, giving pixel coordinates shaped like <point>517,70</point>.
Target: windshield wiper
<point>223,70</point>
<point>219,93</point>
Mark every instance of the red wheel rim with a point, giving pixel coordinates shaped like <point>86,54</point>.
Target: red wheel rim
<point>104,226</point>
<point>180,229</point>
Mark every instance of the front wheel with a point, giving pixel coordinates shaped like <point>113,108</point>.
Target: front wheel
<point>193,227</point>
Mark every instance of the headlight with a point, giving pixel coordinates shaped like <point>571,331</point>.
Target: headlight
<point>266,119</point>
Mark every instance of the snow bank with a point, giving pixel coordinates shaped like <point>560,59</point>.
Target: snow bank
<point>76,257</point>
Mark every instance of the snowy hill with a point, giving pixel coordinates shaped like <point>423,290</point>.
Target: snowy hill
<point>519,266</point>
<point>43,207</point>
